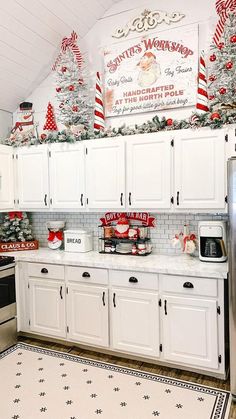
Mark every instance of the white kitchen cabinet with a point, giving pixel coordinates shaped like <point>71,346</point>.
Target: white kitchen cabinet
<point>148,165</point>
<point>135,322</point>
<point>6,178</point>
<point>199,169</point>
<point>87,309</point>
<point>67,176</point>
<point>47,307</point>
<point>32,176</point>
<point>190,331</point>
<point>105,173</point>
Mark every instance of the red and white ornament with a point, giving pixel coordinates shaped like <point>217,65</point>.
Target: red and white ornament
<point>71,88</point>
<point>122,227</point>
<point>193,119</point>
<point>63,69</point>
<point>43,137</point>
<point>75,108</point>
<point>212,77</point>
<point>233,39</point>
<point>229,65</point>
<point>212,57</point>
<point>58,89</point>
<point>221,45</point>
<point>222,90</point>
<point>169,122</point>
<point>215,115</point>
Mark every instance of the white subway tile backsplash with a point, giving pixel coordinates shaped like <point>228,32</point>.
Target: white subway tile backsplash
<point>167,226</point>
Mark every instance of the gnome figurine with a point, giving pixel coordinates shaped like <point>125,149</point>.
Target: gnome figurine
<point>122,227</point>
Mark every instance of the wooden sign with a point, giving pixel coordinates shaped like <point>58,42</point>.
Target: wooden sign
<point>15,246</point>
<point>152,73</point>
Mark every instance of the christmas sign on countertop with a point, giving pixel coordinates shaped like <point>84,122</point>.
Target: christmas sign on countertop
<point>152,73</point>
<point>16,234</point>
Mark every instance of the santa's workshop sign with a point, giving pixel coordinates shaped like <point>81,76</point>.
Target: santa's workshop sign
<point>152,73</point>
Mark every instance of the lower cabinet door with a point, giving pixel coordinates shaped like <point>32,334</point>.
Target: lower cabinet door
<point>47,307</point>
<point>135,322</point>
<point>87,309</point>
<point>190,333</point>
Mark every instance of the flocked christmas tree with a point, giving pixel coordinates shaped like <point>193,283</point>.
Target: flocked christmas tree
<point>73,91</point>
<point>50,124</point>
<point>15,228</point>
<point>222,69</point>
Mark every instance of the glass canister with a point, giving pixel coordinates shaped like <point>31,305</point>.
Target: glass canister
<point>56,234</point>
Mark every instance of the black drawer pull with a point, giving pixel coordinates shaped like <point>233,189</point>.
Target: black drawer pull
<point>188,285</point>
<point>86,275</point>
<point>44,271</point>
<point>133,280</point>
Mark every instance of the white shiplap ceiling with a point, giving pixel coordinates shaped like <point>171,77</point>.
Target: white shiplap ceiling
<point>30,35</point>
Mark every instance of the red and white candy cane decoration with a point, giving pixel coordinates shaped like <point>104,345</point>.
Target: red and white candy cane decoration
<point>69,43</point>
<point>99,118</point>
<point>202,96</point>
<point>223,8</point>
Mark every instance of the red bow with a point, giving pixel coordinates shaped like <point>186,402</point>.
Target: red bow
<point>16,214</point>
<point>55,234</point>
<point>70,43</point>
<point>223,8</point>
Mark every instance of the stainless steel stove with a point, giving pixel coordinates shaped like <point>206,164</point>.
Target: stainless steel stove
<point>7,302</point>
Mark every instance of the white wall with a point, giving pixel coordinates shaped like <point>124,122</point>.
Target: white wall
<point>5,123</point>
<point>201,12</point>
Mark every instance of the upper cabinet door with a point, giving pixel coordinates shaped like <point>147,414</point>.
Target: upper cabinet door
<point>67,176</point>
<point>6,178</point>
<point>106,173</point>
<point>32,169</point>
<point>149,171</point>
<point>199,169</point>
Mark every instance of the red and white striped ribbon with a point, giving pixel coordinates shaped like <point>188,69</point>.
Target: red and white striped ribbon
<point>69,43</point>
<point>99,118</point>
<point>202,96</point>
<point>223,8</point>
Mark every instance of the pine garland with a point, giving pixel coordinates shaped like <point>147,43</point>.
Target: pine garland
<point>197,120</point>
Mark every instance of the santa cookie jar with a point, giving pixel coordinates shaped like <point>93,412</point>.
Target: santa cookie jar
<point>55,234</point>
<point>122,227</point>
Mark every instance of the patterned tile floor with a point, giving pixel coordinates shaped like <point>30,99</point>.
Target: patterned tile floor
<point>182,375</point>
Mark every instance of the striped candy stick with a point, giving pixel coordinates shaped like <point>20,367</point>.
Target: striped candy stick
<point>202,96</point>
<point>99,118</point>
<point>223,9</point>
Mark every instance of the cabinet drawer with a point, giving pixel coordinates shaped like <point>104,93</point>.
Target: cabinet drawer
<point>88,275</point>
<point>136,280</point>
<point>44,270</point>
<point>189,285</point>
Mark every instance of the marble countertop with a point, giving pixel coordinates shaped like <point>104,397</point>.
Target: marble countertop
<point>165,264</point>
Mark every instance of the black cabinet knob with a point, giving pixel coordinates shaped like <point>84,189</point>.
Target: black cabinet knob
<point>44,271</point>
<point>133,280</point>
<point>86,275</point>
<point>188,285</point>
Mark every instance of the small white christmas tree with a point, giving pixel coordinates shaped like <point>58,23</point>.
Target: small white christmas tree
<point>73,92</point>
<point>15,228</point>
<point>222,68</point>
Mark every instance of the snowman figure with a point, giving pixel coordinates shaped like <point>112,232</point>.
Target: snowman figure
<point>122,227</point>
<point>55,235</point>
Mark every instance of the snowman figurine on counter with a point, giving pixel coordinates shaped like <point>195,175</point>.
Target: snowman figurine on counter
<point>55,235</point>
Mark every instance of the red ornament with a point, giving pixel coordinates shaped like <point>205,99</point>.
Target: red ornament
<point>71,87</point>
<point>75,108</point>
<point>222,90</point>
<point>211,97</point>
<point>212,57</point>
<point>43,137</point>
<point>215,115</point>
<point>58,89</point>
<point>212,77</point>
<point>229,65</point>
<point>64,69</point>
<point>81,82</point>
<point>221,45</point>
<point>233,39</point>
<point>169,122</point>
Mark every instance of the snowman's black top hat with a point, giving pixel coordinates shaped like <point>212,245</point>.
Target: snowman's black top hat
<point>26,106</point>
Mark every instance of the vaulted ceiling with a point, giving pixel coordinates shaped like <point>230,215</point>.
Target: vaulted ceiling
<point>30,34</point>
